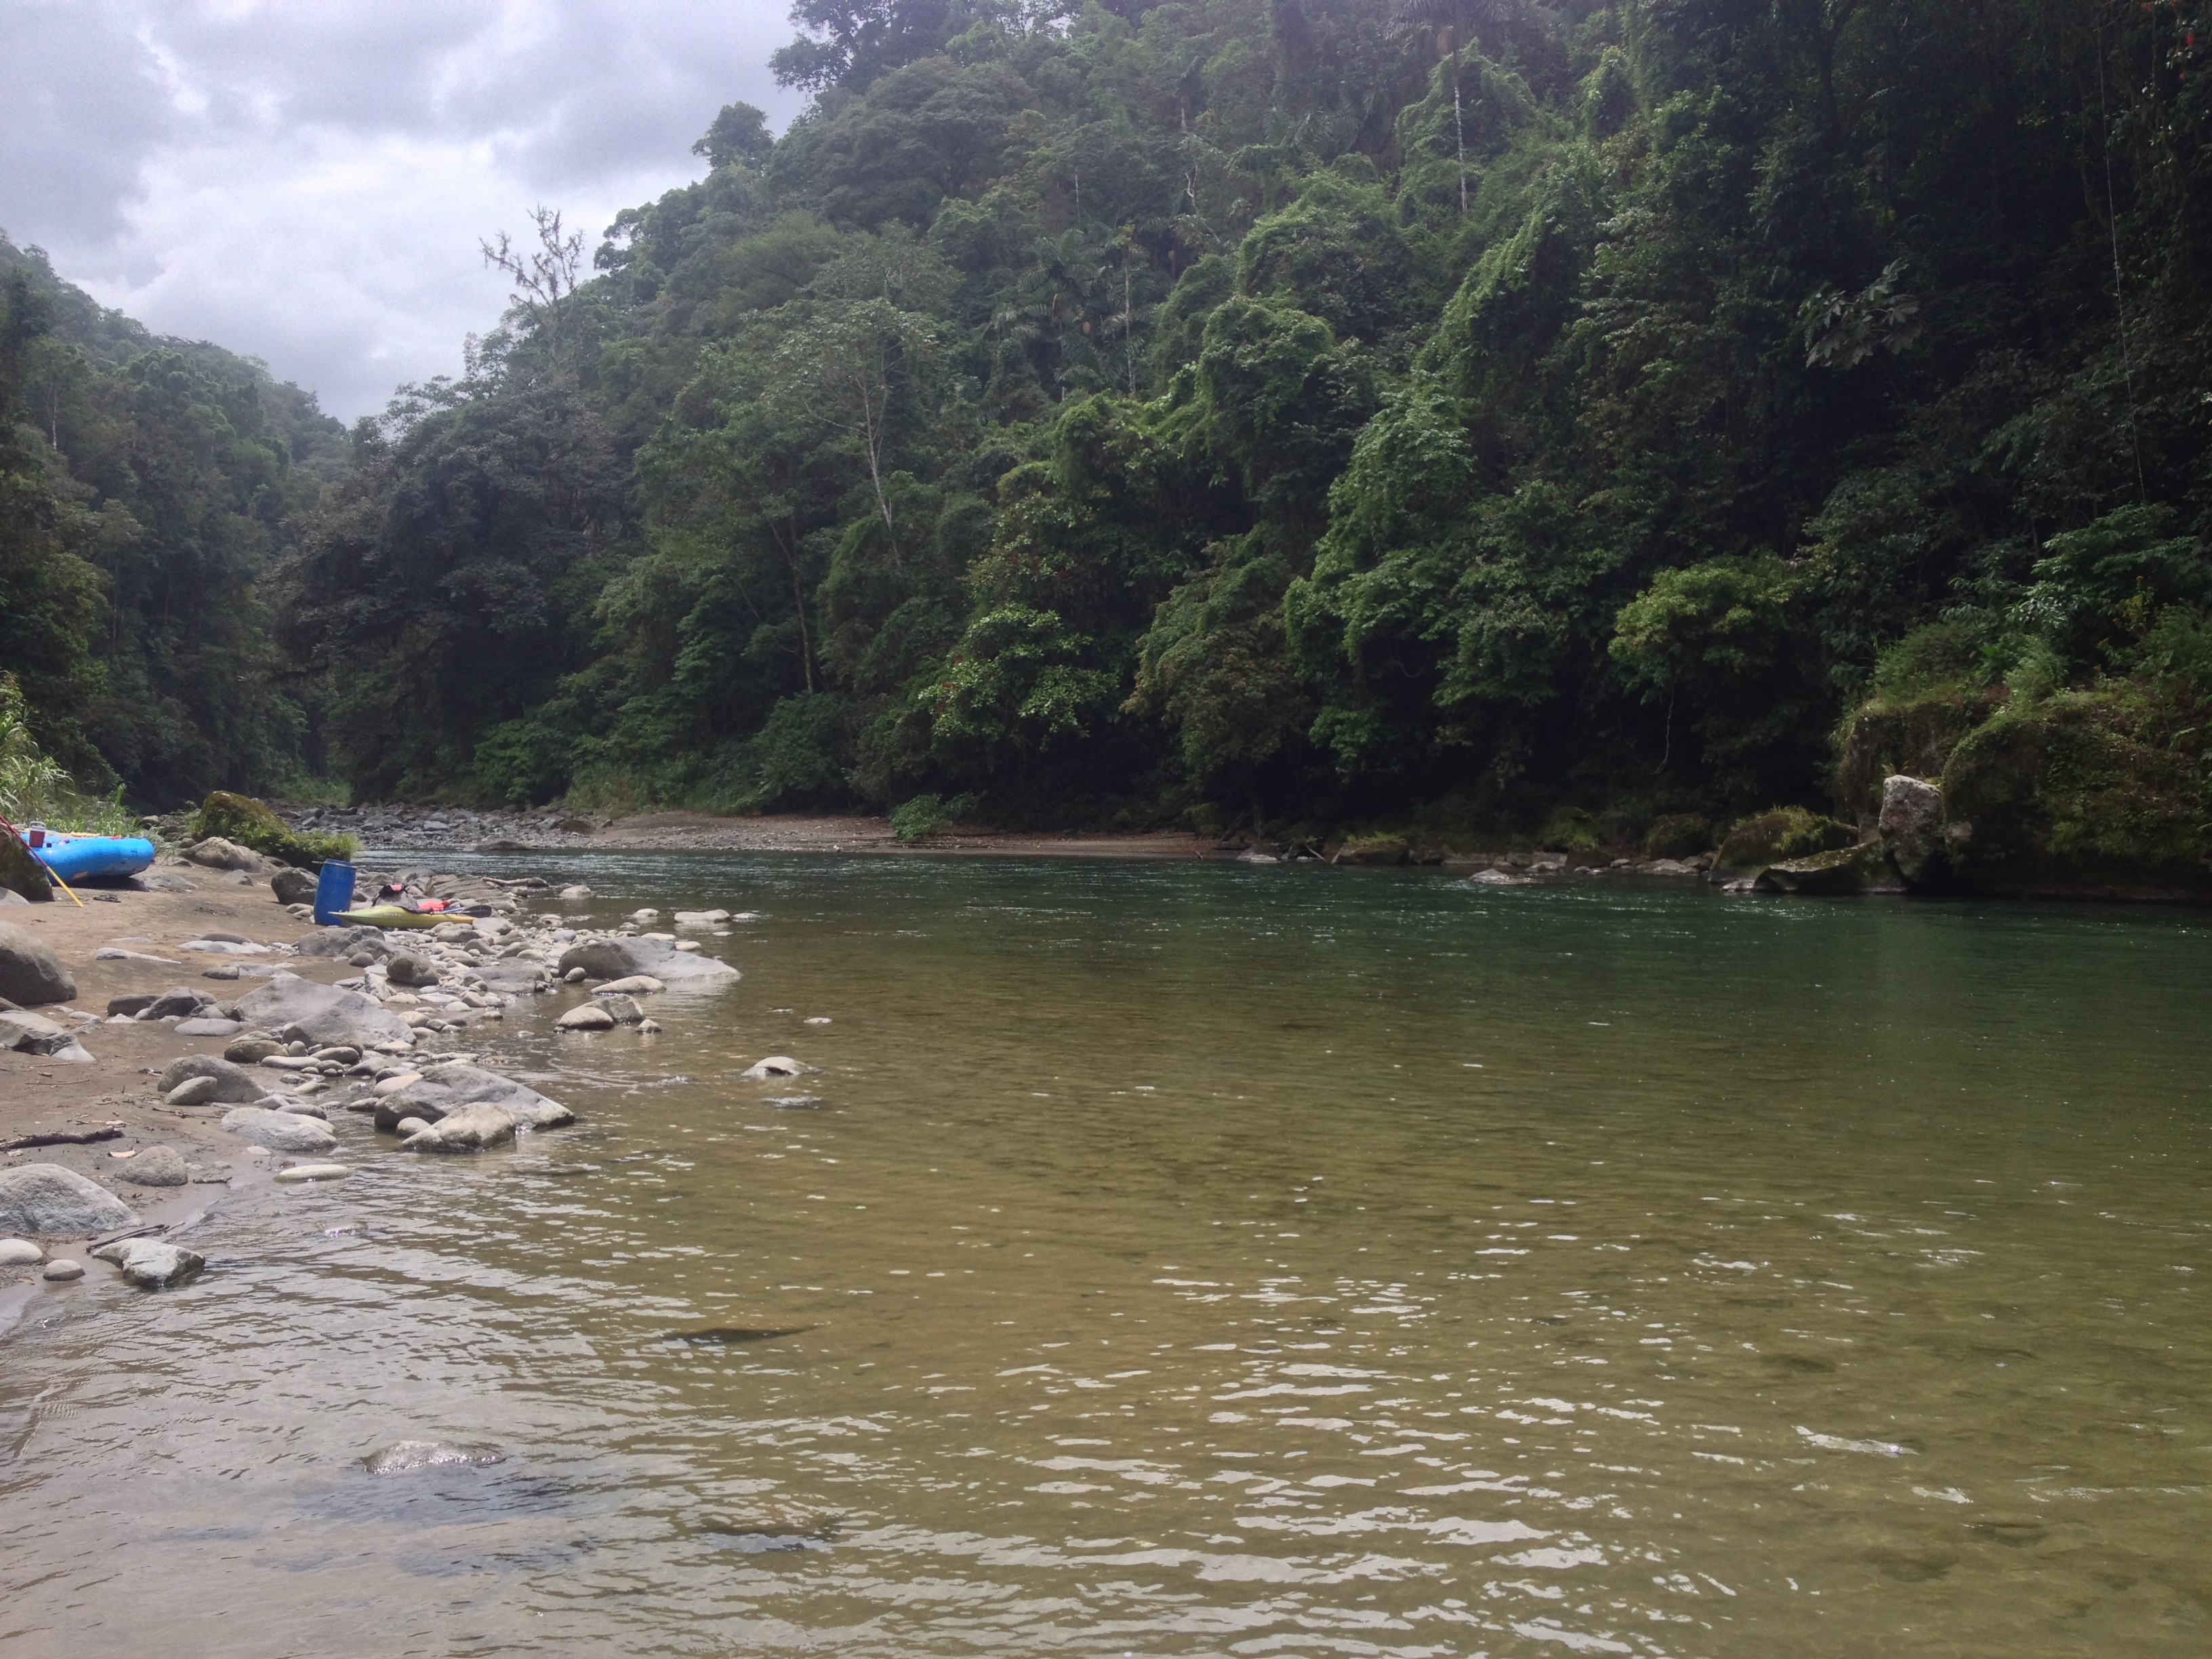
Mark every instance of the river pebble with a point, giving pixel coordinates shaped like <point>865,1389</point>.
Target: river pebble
<point>19,1253</point>
<point>62,1271</point>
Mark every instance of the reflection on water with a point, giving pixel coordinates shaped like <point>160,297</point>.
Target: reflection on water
<point>1192,1260</point>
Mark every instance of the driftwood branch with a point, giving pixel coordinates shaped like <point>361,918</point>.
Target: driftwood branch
<point>61,1138</point>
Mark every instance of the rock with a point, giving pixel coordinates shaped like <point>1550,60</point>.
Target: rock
<point>471,1129</point>
<point>392,1085</point>
<point>1373,849</point>
<point>775,1066</point>
<point>300,1172</point>
<point>224,947</point>
<point>162,881</point>
<point>297,1107</point>
<point>251,1050</point>
<point>575,895</point>
<point>443,1090</point>
<point>1775,837</point>
<point>408,1126</point>
<point>150,1263</point>
<point>619,958</point>
<point>45,1198</point>
<point>1911,827</point>
<point>343,942</point>
<point>136,1003</point>
<point>323,1013</point>
<point>21,874</point>
<point>62,1271</point>
<point>406,1456</point>
<point>624,1009</point>
<point>32,1034</point>
<point>216,853</point>
<point>220,970</point>
<point>499,847</point>
<point>19,1253</point>
<point>193,1091</point>
<point>279,1131</point>
<point>180,1003</point>
<point>410,970</point>
<point>636,985</point>
<point>1669,867</point>
<point>234,1084</point>
<point>648,1028</point>
<point>1862,869</point>
<point>293,886</point>
<point>1498,878</point>
<point>155,1166</point>
<point>206,1027</point>
<point>340,1054</point>
<point>587,1017</point>
<point>30,974</point>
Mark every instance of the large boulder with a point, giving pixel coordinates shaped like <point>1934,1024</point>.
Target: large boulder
<point>234,1084</point>
<point>155,1166</point>
<point>30,973</point>
<point>1911,824</point>
<point>45,1198</point>
<point>323,1013</point>
<point>21,874</point>
<point>444,1090</point>
<point>471,1129</point>
<point>33,1034</point>
<point>1779,835</point>
<point>620,958</point>
<point>280,1132</point>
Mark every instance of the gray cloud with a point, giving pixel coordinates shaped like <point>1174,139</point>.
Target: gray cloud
<point>305,180</point>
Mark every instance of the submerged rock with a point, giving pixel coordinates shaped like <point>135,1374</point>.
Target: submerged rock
<point>775,1066</point>
<point>404,1456</point>
<point>151,1263</point>
<point>469,1129</point>
<point>619,958</point>
<point>45,1198</point>
<point>1785,834</point>
<point>1862,869</point>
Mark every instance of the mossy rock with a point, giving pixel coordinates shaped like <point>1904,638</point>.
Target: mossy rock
<point>1778,837</point>
<point>20,872</point>
<point>1373,849</point>
<point>1914,736</point>
<point>1865,868</point>
<point>1678,835</point>
<point>2064,795</point>
<point>249,823</point>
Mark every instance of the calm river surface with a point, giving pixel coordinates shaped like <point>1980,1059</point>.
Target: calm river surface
<point>1188,1259</point>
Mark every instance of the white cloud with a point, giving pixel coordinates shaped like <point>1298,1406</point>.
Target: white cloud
<point>305,182</point>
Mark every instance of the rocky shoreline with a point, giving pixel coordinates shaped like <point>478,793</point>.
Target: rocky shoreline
<point>332,1025</point>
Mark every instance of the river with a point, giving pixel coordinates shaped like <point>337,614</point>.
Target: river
<point>1196,1259</point>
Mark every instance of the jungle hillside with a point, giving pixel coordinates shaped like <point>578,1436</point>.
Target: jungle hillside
<point>1560,419</point>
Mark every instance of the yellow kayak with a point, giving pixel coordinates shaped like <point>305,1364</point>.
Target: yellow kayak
<point>390,915</point>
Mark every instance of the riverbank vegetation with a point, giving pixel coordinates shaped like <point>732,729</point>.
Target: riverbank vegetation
<point>1589,420</point>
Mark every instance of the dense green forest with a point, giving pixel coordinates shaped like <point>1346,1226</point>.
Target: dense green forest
<point>1547,417</point>
<point>148,490</point>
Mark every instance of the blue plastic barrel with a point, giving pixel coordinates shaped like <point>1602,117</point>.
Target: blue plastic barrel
<point>333,893</point>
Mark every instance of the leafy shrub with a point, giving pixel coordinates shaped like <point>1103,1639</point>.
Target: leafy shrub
<point>249,823</point>
<point>1678,835</point>
<point>927,817</point>
<point>35,789</point>
<point>1776,836</point>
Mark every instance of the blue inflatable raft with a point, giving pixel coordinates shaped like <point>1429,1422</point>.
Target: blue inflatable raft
<point>76,857</point>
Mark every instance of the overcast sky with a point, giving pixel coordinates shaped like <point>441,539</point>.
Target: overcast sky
<point>305,182</point>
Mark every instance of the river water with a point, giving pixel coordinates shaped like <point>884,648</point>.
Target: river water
<point>1190,1259</point>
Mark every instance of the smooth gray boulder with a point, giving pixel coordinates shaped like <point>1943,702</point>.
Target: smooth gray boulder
<point>234,1084</point>
<point>205,1026</point>
<point>179,1002</point>
<point>193,1091</point>
<point>32,1034</point>
<point>149,1263</point>
<point>408,970</point>
<point>216,853</point>
<point>586,1017</point>
<point>293,886</point>
<point>155,1166</point>
<point>280,1132</point>
<point>322,1013</point>
<point>1912,825</point>
<point>444,1090</point>
<point>621,958</point>
<point>470,1129</point>
<point>45,1198</point>
<point>30,973</point>
<point>19,1253</point>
